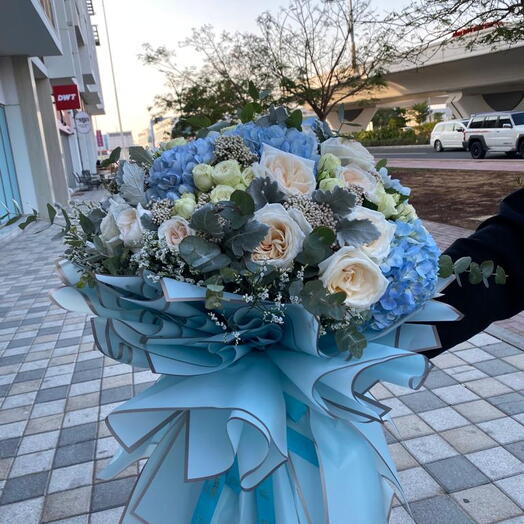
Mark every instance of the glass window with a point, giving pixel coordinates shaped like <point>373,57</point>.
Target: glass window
<point>504,120</point>
<point>477,122</point>
<point>518,119</point>
<point>491,122</point>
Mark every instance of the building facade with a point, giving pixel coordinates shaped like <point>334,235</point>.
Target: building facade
<point>43,44</point>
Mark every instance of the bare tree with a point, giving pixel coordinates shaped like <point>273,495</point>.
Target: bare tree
<point>323,53</point>
<point>477,22</point>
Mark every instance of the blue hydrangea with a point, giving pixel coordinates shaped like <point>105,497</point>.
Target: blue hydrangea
<point>286,139</point>
<point>393,183</point>
<point>412,269</point>
<point>172,172</point>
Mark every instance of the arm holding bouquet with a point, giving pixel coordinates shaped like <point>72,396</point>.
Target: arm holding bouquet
<point>500,239</point>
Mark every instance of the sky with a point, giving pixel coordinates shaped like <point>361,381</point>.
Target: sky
<point>159,22</point>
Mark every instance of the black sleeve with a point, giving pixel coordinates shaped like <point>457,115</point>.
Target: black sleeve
<point>501,239</point>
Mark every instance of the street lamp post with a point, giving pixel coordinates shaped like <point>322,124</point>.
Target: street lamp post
<point>114,77</point>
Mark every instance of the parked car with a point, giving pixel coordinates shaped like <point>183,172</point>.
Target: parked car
<point>497,132</point>
<point>448,135</point>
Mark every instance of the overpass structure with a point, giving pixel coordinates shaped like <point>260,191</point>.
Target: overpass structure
<point>484,78</point>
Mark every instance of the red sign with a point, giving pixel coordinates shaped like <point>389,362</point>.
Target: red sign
<point>99,138</point>
<point>66,97</point>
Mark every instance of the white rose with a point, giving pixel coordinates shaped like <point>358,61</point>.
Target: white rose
<point>294,175</point>
<point>349,152</point>
<point>300,219</point>
<point>109,231</point>
<point>130,226</point>
<point>378,249</point>
<point>174,230</point>
<point>358,177</point>
<point>283,241</point>
<point>352,272</point>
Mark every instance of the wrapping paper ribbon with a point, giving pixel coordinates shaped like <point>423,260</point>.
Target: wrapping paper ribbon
<point>261,424</point>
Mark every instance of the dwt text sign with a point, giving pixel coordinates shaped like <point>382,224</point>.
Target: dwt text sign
<point>66,97</point>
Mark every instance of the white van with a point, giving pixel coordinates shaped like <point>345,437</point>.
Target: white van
<point>448,135</point>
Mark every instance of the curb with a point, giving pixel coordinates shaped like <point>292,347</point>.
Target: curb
<point>416,146</point>
<point>506,336</point>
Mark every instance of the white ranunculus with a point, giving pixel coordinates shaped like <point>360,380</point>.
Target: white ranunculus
<point>284,239</point>
<point>352,174</point>
<point>295,175</point>
<point>352,272</point>
<point>174,230</point>
<point>130,226</point>
<point>349,152</point>
<point>378,249</point>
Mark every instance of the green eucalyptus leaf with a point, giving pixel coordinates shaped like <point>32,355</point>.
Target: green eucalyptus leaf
<point>475,274</point>
<point>51,211</point>
<point>317,246</point>
<point>500,276</point>
<point>265,191</point>
<point>295,288</point>
<point>340,200</point>
<point>319,302</point>
<point>203,255</point>
<point>352,340</point>
<point>461,265</point>
<point>246,239</point>
<point>228,274</point>
<point>445,266</point>
<point>356,232</point>
<point>381,163</point>
<point>206,219</point>
<point>140,156</point>
<point>244,201</point>
<point>87,226</point>
<point>487,268</point>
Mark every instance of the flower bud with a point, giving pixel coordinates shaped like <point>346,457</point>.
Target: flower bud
<point>328,184</point>
<point>227,173</point>
<point>203,177</point>
<point>248,176</point>
<point>221,193</point>
<point>329,163</point>
<point>185,206</point>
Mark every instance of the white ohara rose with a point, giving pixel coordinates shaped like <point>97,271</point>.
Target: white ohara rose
<point>377,249</point>
<point>130,226</point>
<point>349,152</point>
<point>295,175</point>
<point>352,272</point>
<point>352,174</point>
<point>284,239</point>
<point>174,230</point>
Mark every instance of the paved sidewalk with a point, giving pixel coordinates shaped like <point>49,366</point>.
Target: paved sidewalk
<point>459,442</point>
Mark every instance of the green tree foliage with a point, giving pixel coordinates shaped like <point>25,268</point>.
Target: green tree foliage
<point>392,117</point>
<point>420,112</point>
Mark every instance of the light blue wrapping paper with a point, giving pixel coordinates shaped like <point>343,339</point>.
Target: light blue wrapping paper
<point>265,425</point>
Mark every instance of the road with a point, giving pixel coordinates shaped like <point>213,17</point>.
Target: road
<point>425,157</point>
<point>425,152</point>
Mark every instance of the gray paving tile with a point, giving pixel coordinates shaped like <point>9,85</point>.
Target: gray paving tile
<point>8,447</point>
<point>71,477</point>
<point>417,484</point>
<point>86,375</point>
<point>496,463</point>
<point>25,487</point>
<point>66,504</point>
<point>505,430</point>
<point>444,418</point>
<point>438,379</point>
<point>116,394</point>
<point>429,448</point>
<point>495,367</point>
<point>455,394</point>
<point>74,454</point>
<point>510,403</point>
<point>76,434</point>
<point>517,449</point>
<point>457,473</point>
<point>111,494</point>
<point>468,439</point>
<point>26,512</point>
<point>501,349</point>
<point>29,375</point>
<point>439,510</point>
<point>486,504</point>
<point>422,401</point>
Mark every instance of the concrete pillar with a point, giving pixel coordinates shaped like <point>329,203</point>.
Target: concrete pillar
<point>463,106</point>
<point>359,122</point>
<point>52,141</point>
<point>34,134</point>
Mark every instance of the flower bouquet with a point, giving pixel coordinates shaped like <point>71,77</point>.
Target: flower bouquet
<point>270,273</point>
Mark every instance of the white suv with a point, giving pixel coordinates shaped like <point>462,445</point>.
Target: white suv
<point>448,135</point>
<point>501,132</point>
